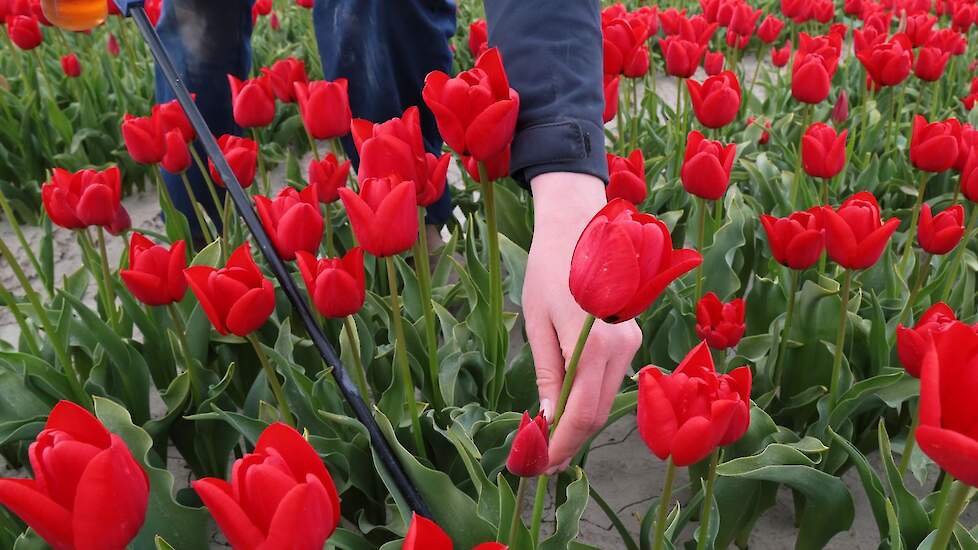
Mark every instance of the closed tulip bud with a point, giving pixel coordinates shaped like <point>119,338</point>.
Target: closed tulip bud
<point>431,188</point>
<point>274,22</point>
<point>170,116</point>
<point>88,493</point>
<point>934,146</point>
<point>337,286</point>
<point>682,56</point>
<point>706,166</point>
<point>529,455</point>
<point>623,261</point>
<point>280,495</point>
<point>24,32</point>
<point>283,75</point>
<point>476,111</point>
<point>308,4</point>
<point>121,222</point>
<point>912,342</point>
<point>155,274</point>
<point>781,56</point>
<point>112,44</point>
<point>144,139</point>
<point>735,40</point>
<point>823,151</point>
<point>252,101</point>
<point>237,298</point>
<point>889,63</point>
<point>325,108</point>
<point>70,66</point>
<point>263,7</point>
<point>496,167</point>
<point>626,177</point>
<point>840,111</point>
<point>930,64</point>
<point>685,415</point>
<point>717,100</point>
<point>811,80</point>
<point>383,215</point>
<point>610,98</point>
<point>855,236</point>
<point>478,38</point>
<point>796,241</point>
<point>720,325</point>
<point>177,159</point>
<point>712,63</point>
<point>770,29</point>
<point>328,176</point>
<point>947,388</point>
<point>84,198</point>
<point>292,220</point>
<point>941,233</point>
<point>242,156</point>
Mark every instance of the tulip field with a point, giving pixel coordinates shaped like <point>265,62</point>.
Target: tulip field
<point>790,241</point>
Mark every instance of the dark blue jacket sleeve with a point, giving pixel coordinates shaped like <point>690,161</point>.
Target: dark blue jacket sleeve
<point>552,50</point>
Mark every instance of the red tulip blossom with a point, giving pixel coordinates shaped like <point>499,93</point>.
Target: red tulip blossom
<point>392,149</point>
<point>930,64</point>
<point>823,151</point>
<point>237,298</point>
<point>24,31</point>
<point>855,236</point>
<point>781,56</point>
<point>670,20</point>
<point>911,343</point>
<point>706,166</point>
<point>770,29</point>
<point>682,56</point>
<point>625,48</point>
<point>84,198</point>
<point>744,18</point>
<point>713,63</point>
<point>478,38</point>
<point>623,261</point>
<point>610,98</point>
<point>155,274</point>
<point>253,101</point>
<point>796,241</point>
<point>919,28</point>
<point>337,286</point>
<point>840,111</point>
<point>328,176</point>
<point>292,220</point>
<point>383,215</point>
<point>941,233</point>
<point>626,177</point>
<point>325,108</point>
<point>242,154</point>
<point>283,76</point>
<point>170,116</point>
<point>424,534</point>
<point>529,456</point>
<point>720,325</point>
<point>176,159</point>
<point>717,100</point>
<point>432,187</point>
<point>934,146</point>
<point>144,139</point>
<point>71,66</point>
<point>815,64</point>
<point>889,63</point>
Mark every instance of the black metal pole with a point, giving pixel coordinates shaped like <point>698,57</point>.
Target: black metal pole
<point>243,206</point>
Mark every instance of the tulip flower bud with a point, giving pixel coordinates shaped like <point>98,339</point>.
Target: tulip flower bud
<point>283,75</point>
<point>529,455</point>
<point>144,139</point>
<point>721,325</point>
<point>855,236</point>
<point>155,274</point>
<point>706,166</point>
<point>384,215</point>
<point>177,159</point>
<point>912,342</point>
<point>253,101</point>
<point>941,233</point>
<point>242,156</point>
<point>840,111</point>
<point>796,241</point>
<point>934,146</point>
<point>713,63</point>
<point>610,98</point>
<point>930,64</point>
<point>682,56</point>
<point>112,45</point>
<point>478,38</point>
<point>781,56</point>
<point>237,298</point>
<point>337,286</point>
<point>889,63</point>
<point>292,220</point>
<point>328,176</point>
<point>770,29</point>
<point>717,100</point>
<point>823,151</point>
<point>626,177</point>
<point>24,32</point>
<point>70,66</point>
<point>84,198</point>
<point>325,108</point>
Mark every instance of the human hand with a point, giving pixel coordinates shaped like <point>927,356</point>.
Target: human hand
<point>564,203</point>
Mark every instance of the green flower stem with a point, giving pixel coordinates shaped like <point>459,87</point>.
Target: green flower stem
<point>707,509</point>
<point>923,271</point>
<point>266,186</point>
<point>568,384</point>
<point>328,223</point>
<point>909,445</point>
<point>952,274</point>
<point>897,109</point>
<point>541,495</point>
<point>514,525</point>
<point>400,355</point>
<point>60,347</point>
<point>677,114</point>
<point>226,226</point>
<point>700,243</point>
<point>664,501</point>
<point>361,373</point>
<point>424,285</point>
<point>24,245</point>
<point>636,114</point>
<point>312,144</point>
<point>789,316</point>
<point>941,500</point>
<point>90,259</point>
<point>799,175</point>
<point>959,497</point>
<point>109,280</point>
<point>195,375</point>
<point>840,339</point>
<point>495,288</point>
<point>273,381</point>
<point>914,218</point>
<point>206,173</point>
<point>198,211</point>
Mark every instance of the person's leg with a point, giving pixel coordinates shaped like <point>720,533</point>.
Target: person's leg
<point>385,48</point>
<point>207,39</point>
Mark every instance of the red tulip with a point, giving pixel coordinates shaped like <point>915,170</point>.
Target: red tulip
<point>948,40</point>
<point>626,177</point>
<point>815,63</point>
<point>930,64</point>
<point>263,7</point>
<point>328,176</point>
<point>770,29</point>
<point>919,28</point>
<point>941,233</point>
<point>292,220</point>
<point>529,455</point>
<point>155,274</point>
<point>496,167</point>
<point>717,100</point>
<point>384,215</point>
<point>625,49</point>
<point>237,298</point>
<point>712,63</point>
<point>706,166</point>
<point>823,10</point>
<point>84,198</point>
<point>796,241</point>
<point>946,411</point>
<point>670,19</point>
<point>273,22</point>
<point>478,38</point>
<point>308,4</point>
<point>253,101</point>
<point>889,63</point>
<point>70,65</point>
<point>325,108</point>
<point>682,56</point>
<point>112,44</point>
<point>24,32</point>
<point>144,139</point>
<point>688,413</point>
<point>934,146</point>
<point>121,222</point>
<point>476,111</point>
<point>912,342</point>
<point>424,534</point>
<point>855,236</point>
<point>283,75</point>
<point>432,187</point>
<point>623,261</point>
<point>765,134</point>
<point>823,151</point>
<point>610,98</point>
<point>170,116</point>
<point>735,40</point>
<point>280,496</point>
<point>697,29</point>
<point>840,111</point>
<point>781,56</point>
<point>720,324</point>
<point>799,11</point>
<point>242,154</point>
<point>176,159</point>
<point>744,19</point>
<point>88,492</point>
<point>967,138</point>
<point>391,149</point>
<point>337,286</point>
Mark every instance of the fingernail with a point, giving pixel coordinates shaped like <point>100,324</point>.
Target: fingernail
<point>546,407</point>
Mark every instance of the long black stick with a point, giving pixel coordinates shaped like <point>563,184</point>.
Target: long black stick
<point>243,205</point>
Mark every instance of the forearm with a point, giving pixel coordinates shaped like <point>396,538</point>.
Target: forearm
<point>552,50</point>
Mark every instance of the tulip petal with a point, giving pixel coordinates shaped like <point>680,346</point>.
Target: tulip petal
<point>227,513</point>
<point>805,249</point>
<point>399,214</point>
<point>840,241</point>
<point>299,455</point>
<point>111,500</point>
<point>955,453</point>
<point>872,246</point>
<point>304,519</point>
<point>251,310</point>
<point>657,422</point>
<point>361,219</point>
<point>198,277</point>
<point>146,287</point>
<point>694,440</point>
<point>424,534</point>
<point>79,423</point>
<point>492,130</point>
<point>46,517</point>
<point>683,260</point>
<point>604,271</point>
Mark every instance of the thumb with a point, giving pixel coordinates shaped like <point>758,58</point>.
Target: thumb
<point>549,362</point>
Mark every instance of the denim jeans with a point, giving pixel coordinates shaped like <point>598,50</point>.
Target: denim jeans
<point>384,48</point>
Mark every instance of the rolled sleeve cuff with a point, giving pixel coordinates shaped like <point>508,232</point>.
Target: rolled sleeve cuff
<point>569,145</point>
